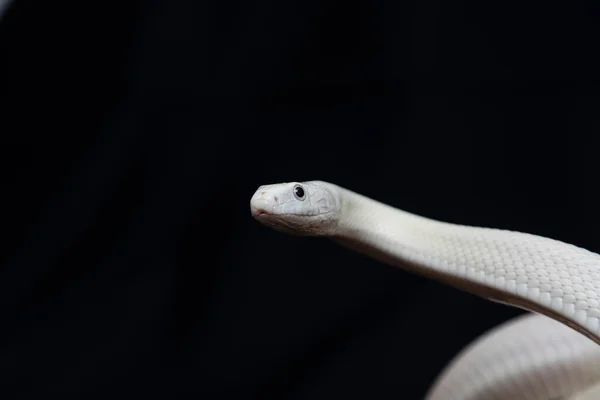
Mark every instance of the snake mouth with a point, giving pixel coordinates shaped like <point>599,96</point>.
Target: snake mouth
<point>261,210</point>
<point>263,204</point>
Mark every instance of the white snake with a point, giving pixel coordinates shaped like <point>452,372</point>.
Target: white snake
<point>531,357</point>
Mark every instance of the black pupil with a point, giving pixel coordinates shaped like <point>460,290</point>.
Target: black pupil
<point>299,191</point>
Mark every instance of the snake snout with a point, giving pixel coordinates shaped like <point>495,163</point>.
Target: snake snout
<point>263,203</point>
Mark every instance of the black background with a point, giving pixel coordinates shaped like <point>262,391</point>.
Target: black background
<point>133,135</point>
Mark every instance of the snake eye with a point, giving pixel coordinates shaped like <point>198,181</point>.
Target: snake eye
<point>299,192</point>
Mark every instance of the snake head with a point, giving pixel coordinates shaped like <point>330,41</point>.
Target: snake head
<point>298,208</point>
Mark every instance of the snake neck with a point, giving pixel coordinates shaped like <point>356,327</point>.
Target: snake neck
<point>517,269</point>
<point>380,231</point>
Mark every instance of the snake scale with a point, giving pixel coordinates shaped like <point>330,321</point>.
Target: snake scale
<point>550,353</point>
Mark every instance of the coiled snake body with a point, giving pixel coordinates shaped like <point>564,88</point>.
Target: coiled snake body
<point>551,354</point>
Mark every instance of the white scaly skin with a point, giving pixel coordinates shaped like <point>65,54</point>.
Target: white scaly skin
<point>547,276</point>
<point>591,393</point>
<point>528,357</point>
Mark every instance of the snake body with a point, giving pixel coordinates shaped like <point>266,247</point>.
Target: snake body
<point>558,280</point>
<point>528,357</point>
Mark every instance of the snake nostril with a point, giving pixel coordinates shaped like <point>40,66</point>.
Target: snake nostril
<point>275,198</point>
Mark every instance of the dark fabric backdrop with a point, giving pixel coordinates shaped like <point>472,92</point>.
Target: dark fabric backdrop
<point>133,135</point>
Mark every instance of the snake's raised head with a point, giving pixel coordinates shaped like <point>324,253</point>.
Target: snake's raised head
<point>306,208</point>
